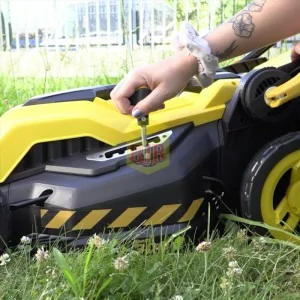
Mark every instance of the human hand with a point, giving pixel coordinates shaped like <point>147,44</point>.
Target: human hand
<point>295,53</point>
<point>165,78</point>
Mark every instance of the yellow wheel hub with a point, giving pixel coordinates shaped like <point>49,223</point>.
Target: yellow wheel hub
<point>286,214</point>
<point>293,197</point>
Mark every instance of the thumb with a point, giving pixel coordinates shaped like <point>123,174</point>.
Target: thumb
<point>295,52</point>
<point>154,101</point>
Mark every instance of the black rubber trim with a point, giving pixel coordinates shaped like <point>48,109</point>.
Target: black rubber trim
<point>155,232</point>
<point>245,66</point>
<point>5,220</point>
<point>257,171</point>
<point>292,68</point>
<point>79,94</point>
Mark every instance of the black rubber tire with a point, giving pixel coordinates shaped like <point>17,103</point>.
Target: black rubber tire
<point>257,171</point>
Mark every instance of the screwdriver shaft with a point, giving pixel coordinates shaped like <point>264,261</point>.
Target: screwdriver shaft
<point>144,136</point>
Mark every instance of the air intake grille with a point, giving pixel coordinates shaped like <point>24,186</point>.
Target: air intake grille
<point>265,84</point>
<point>41,154</point>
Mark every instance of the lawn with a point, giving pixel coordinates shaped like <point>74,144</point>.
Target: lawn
<point>236,265</point>
<point>233,266</point>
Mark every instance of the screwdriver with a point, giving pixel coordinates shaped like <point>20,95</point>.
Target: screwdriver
<point>143,121</point>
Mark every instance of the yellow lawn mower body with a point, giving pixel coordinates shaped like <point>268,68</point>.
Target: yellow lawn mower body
<point>72,166</point>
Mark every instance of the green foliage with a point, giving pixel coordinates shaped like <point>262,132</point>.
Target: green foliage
<point>191,10</point>
<point>228,8</point>
<point>203,14</point>
<point>236,266</point>
<point>17,90</point>
<point>76,283</point>
<point>67,272</point>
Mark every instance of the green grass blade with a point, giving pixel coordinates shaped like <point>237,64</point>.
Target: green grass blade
<point>258,224</point>
<point>86,266</point>
<point>65,268</point>
<point>103,286</point>
<point>175,235</point>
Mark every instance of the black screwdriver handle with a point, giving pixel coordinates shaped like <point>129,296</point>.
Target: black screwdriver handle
<point>140,94</point>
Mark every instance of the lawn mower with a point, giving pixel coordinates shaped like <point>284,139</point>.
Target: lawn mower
<point>71,165</point>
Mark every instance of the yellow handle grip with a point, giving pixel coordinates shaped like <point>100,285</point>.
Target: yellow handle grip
<point>276,96</point>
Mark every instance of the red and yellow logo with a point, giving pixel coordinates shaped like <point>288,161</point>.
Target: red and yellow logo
<point>150,159</point>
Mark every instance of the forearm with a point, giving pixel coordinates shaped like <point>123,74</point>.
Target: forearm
<point>261,23</point>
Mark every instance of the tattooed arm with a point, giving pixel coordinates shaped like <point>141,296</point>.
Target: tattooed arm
<point>261,23</point>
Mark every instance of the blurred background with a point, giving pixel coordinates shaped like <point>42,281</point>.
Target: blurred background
<point>97,35</point>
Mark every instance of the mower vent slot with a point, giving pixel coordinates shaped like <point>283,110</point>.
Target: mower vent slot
<point>122,150</point>
<point>41,154</point>
<point>264,85</point>
<point>130,148</point>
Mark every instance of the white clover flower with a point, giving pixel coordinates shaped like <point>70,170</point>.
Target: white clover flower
<point>177,297</point>
<point>121,263</point>
<point>234,271</point>
<point>25,240</point>
<point>233,264</point>
<point>230,252</point>
<point>4,259</point>
<point>203,246</point>
<point>258,244</point>
<point>242,235</point>
<point>42,254</point>
<point>97,241</point>
<point>233,268</point>
<point>262,240</point>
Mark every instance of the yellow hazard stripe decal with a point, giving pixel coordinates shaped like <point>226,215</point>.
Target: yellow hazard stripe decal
<point>162,214</point>
<point>192,210</point>
<point>129,215</point>
<point>43,212</point>
<point>91,219</point>
<point>60,219</point>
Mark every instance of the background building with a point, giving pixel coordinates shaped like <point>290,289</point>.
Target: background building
<point>52,23</point>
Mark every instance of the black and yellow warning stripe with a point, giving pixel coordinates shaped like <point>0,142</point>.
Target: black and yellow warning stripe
<point>98,220</point>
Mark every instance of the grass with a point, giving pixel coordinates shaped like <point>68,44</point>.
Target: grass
<point>17,90</point>
<point>231,266</point>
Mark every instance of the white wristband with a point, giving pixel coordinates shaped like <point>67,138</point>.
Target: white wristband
<point>208,64</point>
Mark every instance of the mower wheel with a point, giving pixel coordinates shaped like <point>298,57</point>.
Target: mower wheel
<point>270,188</point>
<point>252,95</point>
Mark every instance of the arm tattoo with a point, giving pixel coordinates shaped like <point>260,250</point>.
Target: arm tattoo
<point>227,52</point>
<point>256,5</point>
<point>242,23</point>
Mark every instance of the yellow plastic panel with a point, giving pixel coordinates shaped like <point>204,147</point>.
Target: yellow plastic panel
<point>277,61</point>
<point>24,126</point>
